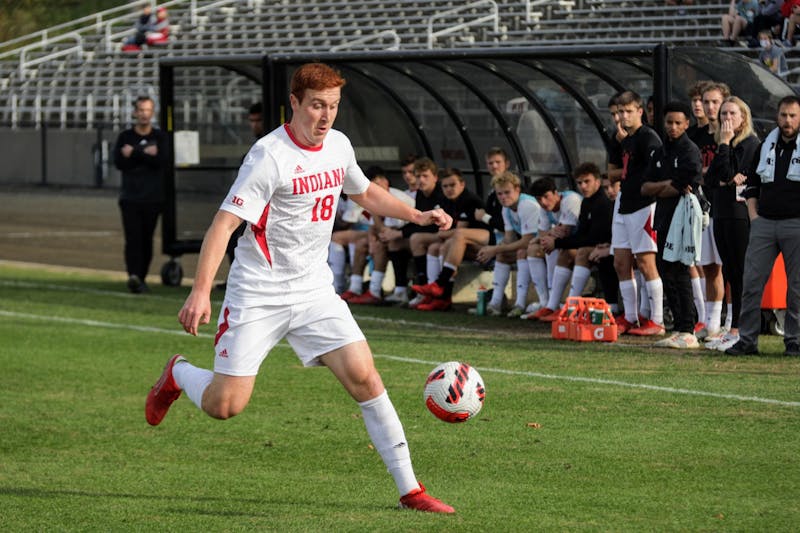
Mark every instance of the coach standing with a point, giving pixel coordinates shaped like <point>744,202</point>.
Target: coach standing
<point>140,155</point>
<point>773,202</point>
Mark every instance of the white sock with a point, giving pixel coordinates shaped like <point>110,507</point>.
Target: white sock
<point>655,290</point>
<point>538,272</point>
<point>627,289</point>
<point>523,280</point>
<point>500,276</point>
<point>192,380</point>
<point>386,432</point>
<point>433,267</point>
<point>729,317</point>
<point>375,283</point>
<point>356,283</point>
<point>644,299</point>
<point>699,299</point>
<point>337,259</point>
<point>580,275</point>
<point>399,290</point>
<point>561,277</point>
<point>713,316</point>
<point>552,261</point>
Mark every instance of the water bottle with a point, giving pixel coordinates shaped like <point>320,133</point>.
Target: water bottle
<point>480,309</point>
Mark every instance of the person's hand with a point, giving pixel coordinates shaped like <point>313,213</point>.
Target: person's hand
<point>435,216</point>
<point>126,150</point>
<point>559,231</point>
<point>739,179</point>
<point>548,243</point>
<point>151,149</point>
<point>480,213</point>
<point>486,254</point>
<point>599,252</point>
<point>621,132</point>
<point>726,131</point>
<point>195,312</point>
<point>389,234</point>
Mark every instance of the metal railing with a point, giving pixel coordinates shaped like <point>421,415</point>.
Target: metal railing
<point>493,16</point>
<point>379,36</point>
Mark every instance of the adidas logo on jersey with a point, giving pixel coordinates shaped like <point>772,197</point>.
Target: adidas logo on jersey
<point>298,169</point>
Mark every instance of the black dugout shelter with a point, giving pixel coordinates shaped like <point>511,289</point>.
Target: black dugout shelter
<point>547,107</point>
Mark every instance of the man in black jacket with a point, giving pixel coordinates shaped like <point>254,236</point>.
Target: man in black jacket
<point>140,154</point>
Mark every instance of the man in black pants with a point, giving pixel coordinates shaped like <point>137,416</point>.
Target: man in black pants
<point>675,170</point>
<point>140,154</point>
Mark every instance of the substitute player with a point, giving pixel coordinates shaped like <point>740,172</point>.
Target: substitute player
<point>280,284</point>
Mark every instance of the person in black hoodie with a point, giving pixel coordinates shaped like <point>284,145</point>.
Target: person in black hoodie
<point>675,169</point>
<point>140,154</point>
<point>725,180</point>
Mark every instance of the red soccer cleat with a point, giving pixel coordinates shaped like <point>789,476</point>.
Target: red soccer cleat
<point>419,500</point>
<point>163,393</point>
<point>623,326</point>
<point>543,312</point>
<point>366,298</point>
<point>552,317</point>
<point>430,289</point>
<point>348,295</point>
<point>648,328</point>
<point>436,304</point>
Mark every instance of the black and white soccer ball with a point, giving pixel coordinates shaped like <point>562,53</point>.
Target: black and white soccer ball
<point>454,392</point>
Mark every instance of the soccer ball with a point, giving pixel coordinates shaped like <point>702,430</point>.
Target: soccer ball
<point>454,392</point>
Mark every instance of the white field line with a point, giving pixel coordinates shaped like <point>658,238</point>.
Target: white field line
<point>575,379</point>
<point>49,234</point>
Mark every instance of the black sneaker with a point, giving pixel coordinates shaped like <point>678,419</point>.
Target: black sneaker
<point>741,349</point>
<point>135,284</point>
<point>792,350</point>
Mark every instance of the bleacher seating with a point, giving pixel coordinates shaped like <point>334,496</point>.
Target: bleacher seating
<point>82,77</point>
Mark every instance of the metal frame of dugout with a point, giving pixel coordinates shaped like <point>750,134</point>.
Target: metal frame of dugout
<point>546,106</point>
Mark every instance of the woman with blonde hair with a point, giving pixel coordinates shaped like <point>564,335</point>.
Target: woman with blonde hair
<point>736,148</point>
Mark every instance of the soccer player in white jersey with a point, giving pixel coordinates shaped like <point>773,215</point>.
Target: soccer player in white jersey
<point>280,284</point>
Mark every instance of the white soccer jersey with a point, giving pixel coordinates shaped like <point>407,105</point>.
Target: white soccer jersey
<point>525,218</point>
<point>568,212</point>
<point>288,194</point>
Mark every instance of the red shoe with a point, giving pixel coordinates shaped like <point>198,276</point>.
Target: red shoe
<point>436,304</point>
<point>419,500</point>
<point>543,312</point>
<point>623,326</point>
<point>430,289</point>
<point>367,298</point>
<point>163,393</point>
<point>552,317</point>
<point>648,328</point>
<point>699,326</point>
<point>348,295</point>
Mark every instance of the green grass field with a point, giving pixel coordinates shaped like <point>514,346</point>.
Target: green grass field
<point>573,437</point>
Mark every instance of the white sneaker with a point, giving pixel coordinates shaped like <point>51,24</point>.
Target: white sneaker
<point>515,312</point>
<point>714,338</point>
<point>397,298</point>
<point>494,311</point>
<point>533,307</point>
<point>727,341</point>
<point>680,341</point>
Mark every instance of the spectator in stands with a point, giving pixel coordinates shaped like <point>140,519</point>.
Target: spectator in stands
<point>158,33</point>
<point>558,219</point>
<point>521,221</point>
<point>140,154</point>
<point>736,148</point>
<point>465,239</point>
<point>714,93</point>
<point>773,203</point>
<point>769,17</point>
<point>378,249</point>
<point>593,230</point>
<point>741,13</point>
<point>632,237</point>
<point>429,194</point>
<point>674,173</point>
<point>771,56</point>
<point>791,15</point>
<point>255,119</point>
<point>143,24</point>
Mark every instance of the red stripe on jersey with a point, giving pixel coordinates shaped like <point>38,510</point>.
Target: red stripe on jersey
<point>260,233</point>
<point>222,327</point>
<point>296,141</point>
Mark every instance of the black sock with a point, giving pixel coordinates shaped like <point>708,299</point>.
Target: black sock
<point>420,266</point>
<point>445,276</point>
<point>399,261</point>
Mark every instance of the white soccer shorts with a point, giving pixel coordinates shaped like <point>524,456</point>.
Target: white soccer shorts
<point>245,335</point>
<point>709,255</point>
<point>634,231</point>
